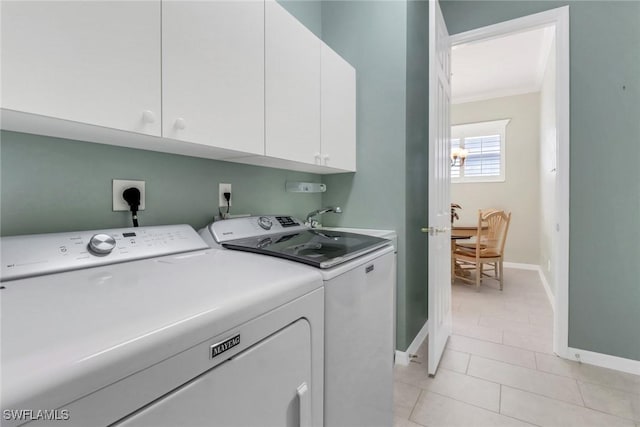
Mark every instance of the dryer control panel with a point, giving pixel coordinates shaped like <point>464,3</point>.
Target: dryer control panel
<point>34,255</point>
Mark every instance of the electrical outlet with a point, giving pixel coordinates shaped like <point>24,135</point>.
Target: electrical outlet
<point>224,188</point>
<point>119,185</point>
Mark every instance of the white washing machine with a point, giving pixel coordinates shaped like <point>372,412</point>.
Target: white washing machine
<point>359,273</point>
<point>149,327</point>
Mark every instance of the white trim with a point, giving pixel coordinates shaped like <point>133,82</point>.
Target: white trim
<point>629,366</point>
<point>419,339</point>
<point>547,289</point>
<point>494,94</point>
<point>521,266</point>
<point>402,358</point>
<point>547,43</point>
<point>543,279</point>
<point>560,19</point>
<point>464,131</point>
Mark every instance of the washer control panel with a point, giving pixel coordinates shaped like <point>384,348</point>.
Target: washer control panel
<point>34,255</point>
<point>253,226</point>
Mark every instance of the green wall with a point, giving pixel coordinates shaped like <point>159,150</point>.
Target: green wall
<point>372,36</point>
<point>308,12</point>
<point>417,164</point>
<point>604,272</point>
<point>52,185</point>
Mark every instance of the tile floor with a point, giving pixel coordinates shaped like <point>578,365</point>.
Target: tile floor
<point>499,369</point>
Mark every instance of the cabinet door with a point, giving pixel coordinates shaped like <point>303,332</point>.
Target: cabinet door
<point>95,62</point>
<point>213,73</point>
<point>292,79</point>
<point>338,100</point>
<point>267,385</point>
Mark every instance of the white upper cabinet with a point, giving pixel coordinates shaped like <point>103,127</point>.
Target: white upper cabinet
<point>338,114</point>
<point>95,62</point>
<point>213,73</point>
<point>292,79</point>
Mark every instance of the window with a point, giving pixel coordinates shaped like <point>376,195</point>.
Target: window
<point>484,143</point>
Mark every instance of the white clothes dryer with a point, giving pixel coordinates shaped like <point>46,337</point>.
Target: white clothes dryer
<point>150,327</point>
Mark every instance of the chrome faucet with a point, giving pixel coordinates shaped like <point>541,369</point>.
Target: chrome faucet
<point>314,223</point>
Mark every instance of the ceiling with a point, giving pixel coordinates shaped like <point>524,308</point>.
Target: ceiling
<point>504,66</point>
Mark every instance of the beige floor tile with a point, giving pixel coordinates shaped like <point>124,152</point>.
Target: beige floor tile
<point>554,386</point>
<point>611,401</point>
<point>474,391</point>
<point>542,320</point>
<point>440,411</point>
<point>528,342</point>
<point>589,373</point>
<point>524,328</point>
<point>405,397</point>
<point>474,331</point>
<point>403,422</point>
<point>411,374</point>
<point>544,412</point>
<point>491,350</point>
<point>455,361</point>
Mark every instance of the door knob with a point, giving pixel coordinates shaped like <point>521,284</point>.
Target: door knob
<point>434,230</point>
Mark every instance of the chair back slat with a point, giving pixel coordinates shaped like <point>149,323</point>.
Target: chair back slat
<point>492,231</point>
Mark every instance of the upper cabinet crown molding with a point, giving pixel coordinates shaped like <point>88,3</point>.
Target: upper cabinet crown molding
<point>236,80</point>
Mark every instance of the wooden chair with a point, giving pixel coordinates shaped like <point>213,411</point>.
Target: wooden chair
<point>488,248</point>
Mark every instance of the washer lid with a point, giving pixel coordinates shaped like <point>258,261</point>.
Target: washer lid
<point>316,247</point>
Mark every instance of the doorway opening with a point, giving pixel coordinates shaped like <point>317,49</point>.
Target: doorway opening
<point>512,128</point>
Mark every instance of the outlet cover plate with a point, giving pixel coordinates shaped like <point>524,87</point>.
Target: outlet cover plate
<point>224,188</point>
<point>119,185</point>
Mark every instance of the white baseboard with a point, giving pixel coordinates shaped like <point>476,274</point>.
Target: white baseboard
<point>545,284</point>
<point>403,357</point>
<point>521,266</point>
<point>547,289</point>
<point>605,361</point>
<point>419,339</point>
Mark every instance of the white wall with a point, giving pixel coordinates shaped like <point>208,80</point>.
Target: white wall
<point>547,165</point>
<point>520,192</point>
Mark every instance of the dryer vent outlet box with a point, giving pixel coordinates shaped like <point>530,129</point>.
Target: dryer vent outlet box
<point>119,185</point>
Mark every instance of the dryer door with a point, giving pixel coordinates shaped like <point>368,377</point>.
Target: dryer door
<point>266,385</point>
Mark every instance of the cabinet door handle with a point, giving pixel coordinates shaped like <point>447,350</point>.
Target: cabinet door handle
<point>148,116</point>
<point>318,159</point>
<point>326,158</point>
<point>180,124</point>
<point>304,405</point>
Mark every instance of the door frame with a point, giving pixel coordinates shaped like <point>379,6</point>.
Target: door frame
<point>559,18</point>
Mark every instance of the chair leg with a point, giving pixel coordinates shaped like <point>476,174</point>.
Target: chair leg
<point>501,279</point>
<point>478,274</point>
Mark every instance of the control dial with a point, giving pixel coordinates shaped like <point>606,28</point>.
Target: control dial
<point>102,244</point>
<point>265,223</point>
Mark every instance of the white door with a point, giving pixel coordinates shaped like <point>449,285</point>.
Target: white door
<point>95,62</point>
<point>439,181</point>
<point>213,73</point>
<point>292,87</point>
<point>338,111</point>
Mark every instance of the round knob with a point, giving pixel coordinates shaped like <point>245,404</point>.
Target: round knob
<point>318,158</point>
<point>102,244</point>
<point>326,158</point>
<point>148,116</point>
<point>265,223</point>
<point>180,124</point>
